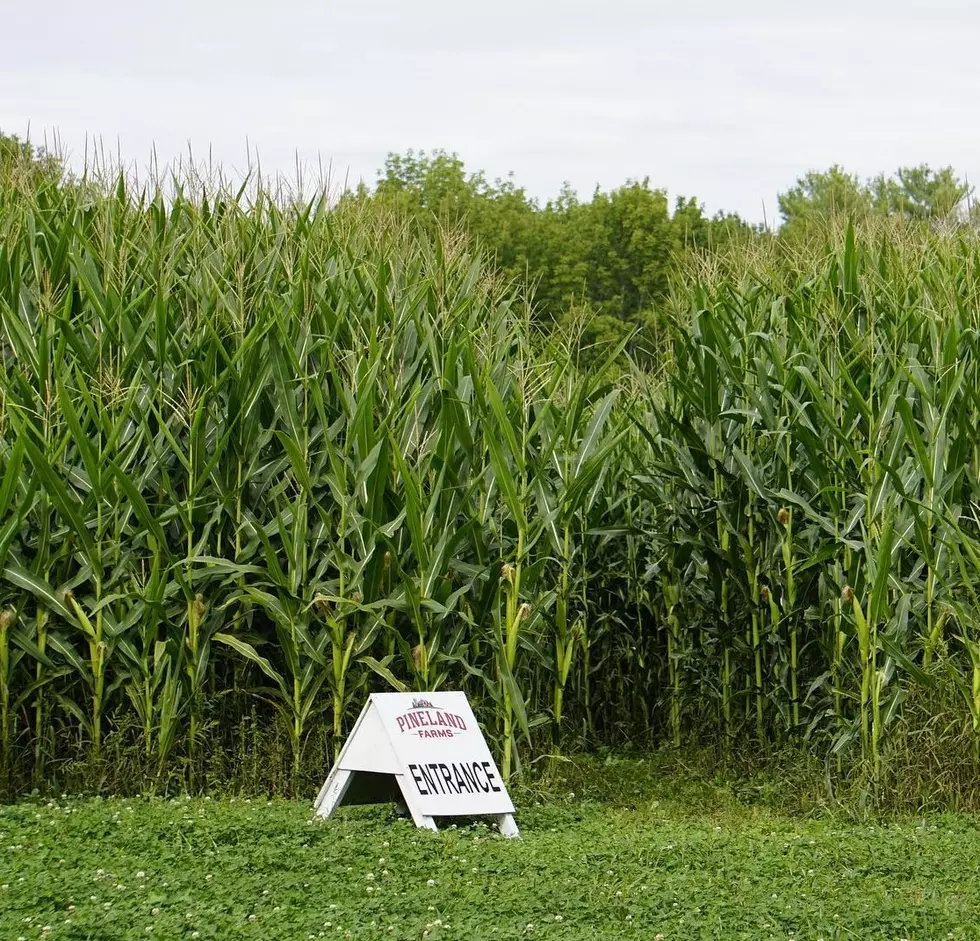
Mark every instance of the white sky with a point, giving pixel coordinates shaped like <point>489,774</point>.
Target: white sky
<point>726,101</point>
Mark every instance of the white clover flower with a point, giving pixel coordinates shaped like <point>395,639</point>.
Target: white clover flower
<point>559,917</point>
<point>141,875</point>
<point>369,876</point>
<point>155,911</point>
<point>431,883</point>
<point>251,917</point>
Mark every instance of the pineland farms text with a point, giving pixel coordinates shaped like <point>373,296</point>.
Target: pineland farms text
<point>431,723</point>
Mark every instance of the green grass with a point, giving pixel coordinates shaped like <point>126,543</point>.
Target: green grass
<point>684,862</point>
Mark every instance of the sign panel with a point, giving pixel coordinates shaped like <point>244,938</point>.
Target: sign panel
<point>432,746</point>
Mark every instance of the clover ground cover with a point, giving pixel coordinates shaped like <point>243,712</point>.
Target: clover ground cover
<point>219,869</point>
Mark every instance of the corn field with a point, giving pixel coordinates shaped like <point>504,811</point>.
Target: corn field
<point>259,457</point>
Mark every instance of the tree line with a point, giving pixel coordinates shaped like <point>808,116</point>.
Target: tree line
<point>608,259</point>
<point>604,264</point>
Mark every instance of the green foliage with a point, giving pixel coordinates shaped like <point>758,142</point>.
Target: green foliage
<point>436,185</point>
<point>914,193</point>
<point>259,458</point>
<point>26,161</point>
<point>614,253</point>
<point>266,457</point>
<point>813,453</point>
<point>833,194</point>
<point>711,869</point>
<point>631,248</point>
<point>920,193</point>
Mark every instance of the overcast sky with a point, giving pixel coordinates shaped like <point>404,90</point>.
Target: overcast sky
<point>726,101</point>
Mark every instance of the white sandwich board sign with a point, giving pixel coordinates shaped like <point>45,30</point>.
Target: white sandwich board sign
<point>426,750</point>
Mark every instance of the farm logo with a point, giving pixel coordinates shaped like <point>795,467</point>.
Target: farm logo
<point>425,721</point>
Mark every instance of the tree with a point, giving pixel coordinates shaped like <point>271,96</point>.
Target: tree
<point>920,193</point>
<point>433,183</point>
<point>612,255</point>
<point>632,247</point>
<point>21,157</point>
<point>832,193</point>
<point>915,193</point>
<point>694,230</point>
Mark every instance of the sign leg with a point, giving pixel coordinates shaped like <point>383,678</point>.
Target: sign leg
<point>421,820</point>
<point>332,792</point>
<point>507,826</point>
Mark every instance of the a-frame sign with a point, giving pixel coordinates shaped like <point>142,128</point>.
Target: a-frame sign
<point>425,750</point>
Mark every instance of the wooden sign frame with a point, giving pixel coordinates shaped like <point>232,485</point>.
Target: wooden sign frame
<point>427,750</point>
